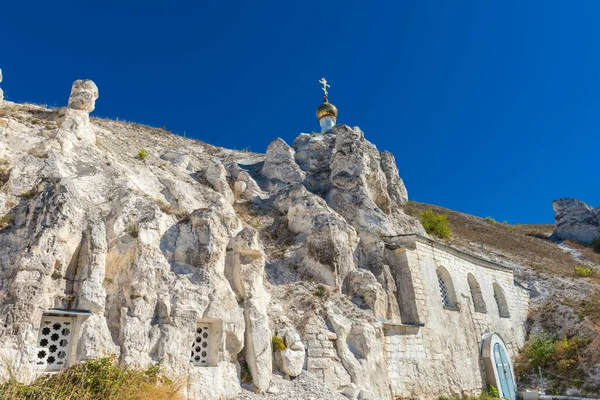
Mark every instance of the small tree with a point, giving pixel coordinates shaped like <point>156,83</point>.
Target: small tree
<point>540,349</point>
<point>436,224</point>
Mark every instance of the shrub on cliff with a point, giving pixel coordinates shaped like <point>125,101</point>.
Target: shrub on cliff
<point>435,224</point>
<point>95,379</point>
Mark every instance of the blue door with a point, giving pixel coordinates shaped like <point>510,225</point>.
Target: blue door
<point>507,382</point>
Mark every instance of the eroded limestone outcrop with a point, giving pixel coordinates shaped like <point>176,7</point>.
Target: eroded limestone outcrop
<point>174,254</point>
<point>576,220</point>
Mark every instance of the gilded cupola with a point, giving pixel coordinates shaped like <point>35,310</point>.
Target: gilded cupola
<point>326,113</point>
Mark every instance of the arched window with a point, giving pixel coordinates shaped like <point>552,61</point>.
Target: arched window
<point>476,295</point>
<point>446,288</point>
<point>501,301</point>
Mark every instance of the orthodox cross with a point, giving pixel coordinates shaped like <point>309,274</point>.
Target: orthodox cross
<point>324,88</point>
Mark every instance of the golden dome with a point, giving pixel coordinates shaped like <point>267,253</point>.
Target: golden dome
<point>327,110</point>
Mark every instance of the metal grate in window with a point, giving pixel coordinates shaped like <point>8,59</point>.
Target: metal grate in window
<point>201,346</point>
<point>54,342</point>
<point>443,290</point>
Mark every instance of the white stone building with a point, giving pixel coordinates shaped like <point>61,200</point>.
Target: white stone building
<point>454,308</point>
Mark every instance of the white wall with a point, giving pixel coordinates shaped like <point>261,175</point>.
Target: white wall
<point>443,356</point>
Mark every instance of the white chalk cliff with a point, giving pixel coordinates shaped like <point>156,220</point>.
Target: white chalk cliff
<point>151,243</point>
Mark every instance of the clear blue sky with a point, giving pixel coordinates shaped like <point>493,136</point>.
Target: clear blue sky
<point>490,107</point>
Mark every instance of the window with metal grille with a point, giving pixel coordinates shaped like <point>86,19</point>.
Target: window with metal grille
<point>443,290</point>
<point>201,346</point>
<point>54,342</point>
<point>476,295</point>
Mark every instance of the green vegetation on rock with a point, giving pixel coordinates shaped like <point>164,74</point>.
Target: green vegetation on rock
<point>278,344</point>
<point>435,224</point>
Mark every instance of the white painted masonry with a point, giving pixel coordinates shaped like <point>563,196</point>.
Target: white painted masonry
<point>441,351</point>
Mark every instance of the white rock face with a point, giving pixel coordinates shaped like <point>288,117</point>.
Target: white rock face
<point>576,220</point>
<point>246,266</point>
<point>291,360</point>
<point>329,241</point>
<point>357,347</point>
<point>216,175</point>
<point>177,157</point>
<point>83,95</point>
<point>1,92</point>
<point>280,165</point>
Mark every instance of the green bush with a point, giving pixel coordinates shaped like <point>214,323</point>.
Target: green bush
<point>142,154</point>
<point>278,344</point>
<point>490,220</point>
<point>493,392</point>
<point>584,271</point>
<point>596,244</point>
<point>540,349</point>
<point>436,224</point>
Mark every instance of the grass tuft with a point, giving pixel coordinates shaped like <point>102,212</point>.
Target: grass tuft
<point>142,154</point>
<point>133,230</point>
<point>96,379</point>
<point>5,220</point>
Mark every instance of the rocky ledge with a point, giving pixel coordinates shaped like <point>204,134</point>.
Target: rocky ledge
<point>576,221</point>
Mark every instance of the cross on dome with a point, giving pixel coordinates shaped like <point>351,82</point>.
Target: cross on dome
<point>327,112</point>
<point>323,82</point>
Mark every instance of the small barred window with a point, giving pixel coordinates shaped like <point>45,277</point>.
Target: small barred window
<point>54,342</point>
<point>443,290</point>
<point>447,292</point>
<point>201,346</point>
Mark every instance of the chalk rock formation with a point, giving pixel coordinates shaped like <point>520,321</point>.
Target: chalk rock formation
<point>280,165</point>
<point>83,95</point>
<point>199,246</point>
<point>1,91</point>
<point>328,240</point>
<point>75,122</point>
<point>177,157</point>
<point>576,220</point>
<point>247,263</point>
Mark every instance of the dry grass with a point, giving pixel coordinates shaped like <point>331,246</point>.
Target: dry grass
<point>271,226</point>
<point>96,379</point>
<point>31,114</point>
<point>5,220</point>
<point>165,207</point>
<point>527,244</point>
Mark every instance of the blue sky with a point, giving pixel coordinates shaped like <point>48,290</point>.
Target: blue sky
<point>491,108</point>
